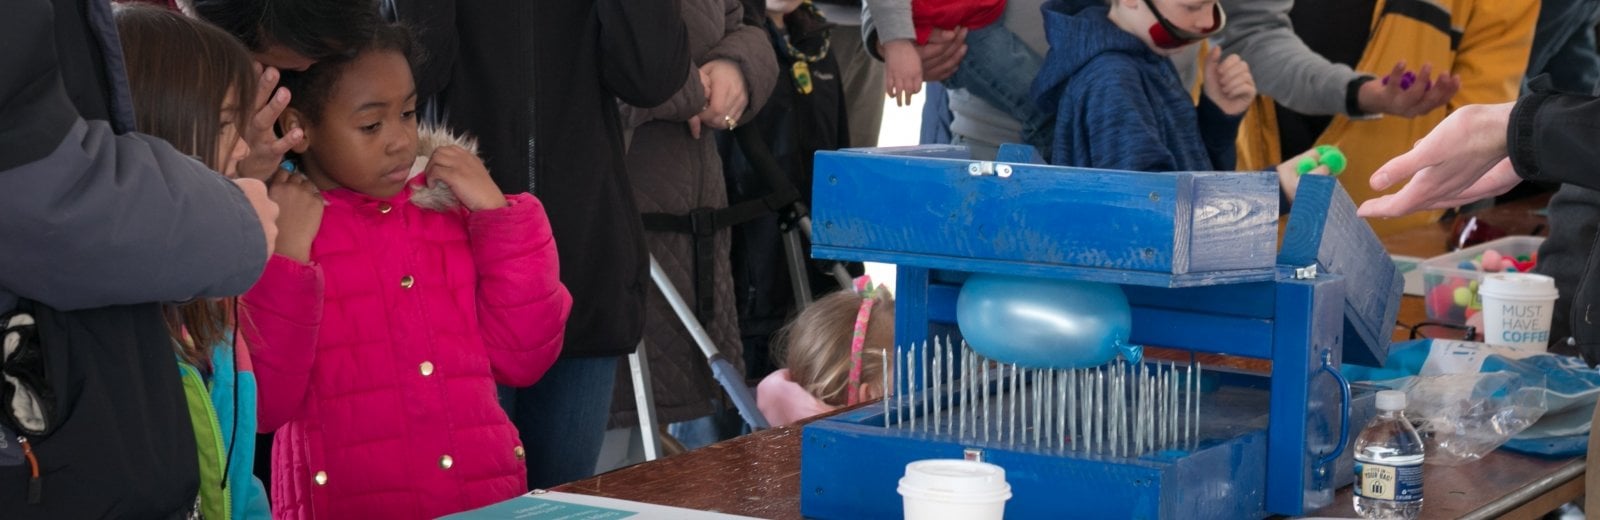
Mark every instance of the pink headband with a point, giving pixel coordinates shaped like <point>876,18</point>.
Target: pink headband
<point>859,336</point>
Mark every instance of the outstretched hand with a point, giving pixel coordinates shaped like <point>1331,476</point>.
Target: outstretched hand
<point>1463,159</point>
<point>1407,94</point>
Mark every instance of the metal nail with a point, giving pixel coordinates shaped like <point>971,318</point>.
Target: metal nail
<point>1176,411</point>
<point>923,384</point>
<point>947,365</point>
<point>911,376</point>
<point>883,356</point>
<point>1072,408</point>
<point>984,394</point>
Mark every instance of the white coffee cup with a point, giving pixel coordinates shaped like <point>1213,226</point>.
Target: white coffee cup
<point>954,488</point>
<point>1517,308</point>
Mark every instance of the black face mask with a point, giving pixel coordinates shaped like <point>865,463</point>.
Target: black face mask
<point>1165,35</point>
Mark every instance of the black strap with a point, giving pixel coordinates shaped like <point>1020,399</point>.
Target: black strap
<point>1428,13</point>
<point>704,223</point>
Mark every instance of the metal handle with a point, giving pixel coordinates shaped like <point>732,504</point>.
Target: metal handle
<point>1344,410</point>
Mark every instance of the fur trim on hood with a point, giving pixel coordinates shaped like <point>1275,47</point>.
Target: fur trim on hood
<point>436,195</point>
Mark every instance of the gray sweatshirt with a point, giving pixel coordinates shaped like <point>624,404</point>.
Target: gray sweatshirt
<point>1284,67</point>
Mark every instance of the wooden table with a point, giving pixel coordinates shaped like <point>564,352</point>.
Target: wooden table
<point>759,474</point>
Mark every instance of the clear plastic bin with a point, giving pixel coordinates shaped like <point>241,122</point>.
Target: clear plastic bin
<point>1444,277</point>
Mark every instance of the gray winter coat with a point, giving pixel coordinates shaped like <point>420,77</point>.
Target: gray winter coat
<point>672,172</point>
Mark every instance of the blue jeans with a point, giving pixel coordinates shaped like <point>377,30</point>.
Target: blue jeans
<point>999,69</point>
<point>562,418</point>
<point>936,116</point>
<point>1564,45</point>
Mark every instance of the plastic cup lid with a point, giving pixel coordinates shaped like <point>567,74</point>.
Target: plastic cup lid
<point>1390,400</point>
<point>1518,285</point>
<point>956,477</point>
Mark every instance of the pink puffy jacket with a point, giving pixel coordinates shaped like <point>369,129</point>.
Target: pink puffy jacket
<point>379,359</point>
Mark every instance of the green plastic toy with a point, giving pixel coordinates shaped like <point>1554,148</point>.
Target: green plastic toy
<point>1330,156</point>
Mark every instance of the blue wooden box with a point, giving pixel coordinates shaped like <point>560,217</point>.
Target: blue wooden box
<point>923,207</point>
<point>1197,255</point>
<point>850,467</point>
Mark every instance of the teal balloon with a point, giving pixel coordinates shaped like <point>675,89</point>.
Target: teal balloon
<point>1045,323</point>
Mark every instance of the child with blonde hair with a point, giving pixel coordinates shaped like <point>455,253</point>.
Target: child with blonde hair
<point>833,355</point>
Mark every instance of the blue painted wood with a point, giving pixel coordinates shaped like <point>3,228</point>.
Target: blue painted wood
<point>1019,154</point>
<point>943,151</point>
<point>1069,222</point>
<point>1245,337</point>
<point>1248,300</point>
<point>1087,274</point>
<point>942,302</point>
<point>1308,326</point>
<point>1228,231</point>
<point>911,323</point>
<point>1323,229</point>
<point>850,467</point>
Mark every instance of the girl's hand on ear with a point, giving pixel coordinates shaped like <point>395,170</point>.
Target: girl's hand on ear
<point>299,214</point>
<point>466,176</point>
<point>266,148</point>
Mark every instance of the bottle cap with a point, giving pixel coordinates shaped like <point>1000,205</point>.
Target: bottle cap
<point>1391,400</point>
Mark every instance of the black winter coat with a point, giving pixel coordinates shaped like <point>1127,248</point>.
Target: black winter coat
<point>537,82</point>
<point>1552,139</point>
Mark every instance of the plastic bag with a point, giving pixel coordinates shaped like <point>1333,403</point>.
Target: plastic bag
<point>1463,417</point>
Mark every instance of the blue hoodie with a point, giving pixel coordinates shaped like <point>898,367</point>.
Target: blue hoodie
<point>1118,104</point>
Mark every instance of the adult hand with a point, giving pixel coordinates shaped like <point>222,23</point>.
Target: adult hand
<point>1395,95</point>
<point>301,214</point>
<point>1462,159</point>
<point>266,148</point>
<point>942,54</point>
<point>728,97</point>
<point>266,211</point>
<point>467,178</point>
<point>902,71</point>
<point>1229,83</point>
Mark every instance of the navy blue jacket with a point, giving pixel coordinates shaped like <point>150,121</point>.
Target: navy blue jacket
<point>1120,105</point>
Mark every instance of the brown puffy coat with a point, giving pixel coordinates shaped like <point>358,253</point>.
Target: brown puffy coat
<point>672,172</point>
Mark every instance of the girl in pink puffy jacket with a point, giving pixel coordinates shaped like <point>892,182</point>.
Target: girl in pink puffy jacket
<point>395,302</point>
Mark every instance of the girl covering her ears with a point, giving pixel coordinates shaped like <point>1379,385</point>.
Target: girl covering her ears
<point>833,354</point>
<point>195,100</point>
<point>396,302</point>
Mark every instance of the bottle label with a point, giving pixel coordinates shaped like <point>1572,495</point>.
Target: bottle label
<point>1398,483</point>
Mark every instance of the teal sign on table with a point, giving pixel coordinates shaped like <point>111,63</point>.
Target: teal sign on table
<point>530,508</point>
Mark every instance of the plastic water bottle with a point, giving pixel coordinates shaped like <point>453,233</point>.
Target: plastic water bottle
<point>1389,463</point>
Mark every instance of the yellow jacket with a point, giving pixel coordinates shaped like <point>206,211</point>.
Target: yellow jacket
<point>1486,43</point>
